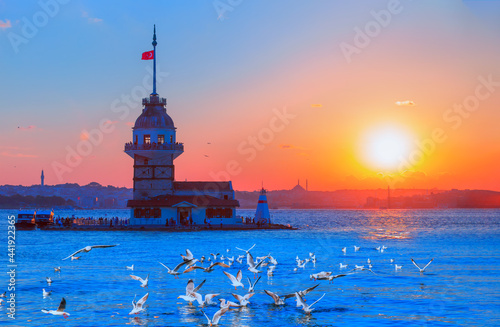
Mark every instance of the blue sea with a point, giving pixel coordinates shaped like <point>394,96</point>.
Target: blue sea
<point>461,287</point>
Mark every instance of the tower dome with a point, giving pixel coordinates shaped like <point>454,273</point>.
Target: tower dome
<point>154,114</point>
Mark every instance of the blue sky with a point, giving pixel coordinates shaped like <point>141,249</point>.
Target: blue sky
<point>225,75</point>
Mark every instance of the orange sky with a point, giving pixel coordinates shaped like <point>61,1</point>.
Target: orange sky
<point>436,55</point>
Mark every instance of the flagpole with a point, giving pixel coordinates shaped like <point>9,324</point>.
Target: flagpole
<point>154,61</point>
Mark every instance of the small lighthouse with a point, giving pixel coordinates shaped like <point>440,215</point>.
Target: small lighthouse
<point>262,213</point>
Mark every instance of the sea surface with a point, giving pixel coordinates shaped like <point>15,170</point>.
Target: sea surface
<point>461,287</point>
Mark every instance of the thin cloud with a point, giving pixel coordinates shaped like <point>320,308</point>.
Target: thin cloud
<point>91,20</point>
<point>27,128</point>
<point>316,105</point>
<point>5,25</point>
<point>18,155</point>
<point>129,123</point>
<point>290,147</point>
<point>408,103</point>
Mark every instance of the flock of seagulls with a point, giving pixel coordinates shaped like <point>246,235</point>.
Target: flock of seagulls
<point>242,293</point>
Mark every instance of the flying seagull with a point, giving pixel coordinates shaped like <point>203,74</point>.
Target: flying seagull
<point>215,319</point>
<point>307,308</point>
<point>277,299</point>
<point>174,272</point>
<point>59,311</point>
<point>144,282</point>
<point>138,306</point>
<point>248,249</point>
<point>421,269</point>
<point>209,268</point>
<point>243,299</point>
<point>252,286</point>
<point>188,256</point>
<point>88,248</point>
<point>235,281</point>
<point>190,289</point>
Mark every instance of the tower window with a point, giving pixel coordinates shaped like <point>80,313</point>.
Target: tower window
<point>136,139</point>
<point>171,139</point>
<point>161,139</point>
<point>147,139</point>
<point>146,161</point>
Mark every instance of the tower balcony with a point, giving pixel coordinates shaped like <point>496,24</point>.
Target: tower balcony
<point>154,100</point>
<point>154,150</point>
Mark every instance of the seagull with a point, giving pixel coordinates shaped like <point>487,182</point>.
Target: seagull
<point>252,266</point>
<point>88,248</point>
<point>421,269</point>
<point>343,266</point>
<point>369,261</point>
<point>240,258</point>
<point>270,271</point>
<point>227,304</point>
<point>307,290</point>
<point>356,248</point>
<point>138,306</point>
<point>207,301</point>
<point>3,294</point>
<point>277,299</point>
<point>235,281</point>
<point>2,300</point>
<point>320,275</point>
<point>303,264</point>
<point>248,249</point>
<point>344,249</point>
<point>272,260</point>
<point>392,260</point>
<point>215,319</point>
<point>59,311</point>
<point>251,286</point>
<point>174,272</point>
<point>188,256</point>
<point>398,267</point>
<point>45,294</point>
<point>57,269</point>
<point>49,280</point>
<point>144,282</point>
<point>307,308</point>
<point>190,289</point>
<point>358,267</point>
<point>74,258</point>
<point>209,268</point>
<point>243,299</point>
<point>214,255</point>
<point>378,248</point>
<point>130,267</point>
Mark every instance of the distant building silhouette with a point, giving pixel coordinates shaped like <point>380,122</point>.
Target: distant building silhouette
<point>42,178</point>
<point>298,188</point>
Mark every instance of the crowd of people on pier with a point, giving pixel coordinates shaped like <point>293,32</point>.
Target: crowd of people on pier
<point>91,221</point>
<point>119,221</point>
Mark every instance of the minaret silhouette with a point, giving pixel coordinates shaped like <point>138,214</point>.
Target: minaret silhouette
<point>42,178</point>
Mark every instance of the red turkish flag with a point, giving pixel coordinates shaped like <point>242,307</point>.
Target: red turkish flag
<point>148,55</point>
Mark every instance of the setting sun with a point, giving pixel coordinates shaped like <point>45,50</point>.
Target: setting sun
<point>385,147</point>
